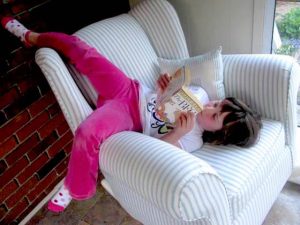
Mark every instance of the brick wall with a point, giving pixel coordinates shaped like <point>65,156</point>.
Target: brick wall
<point>35,140</point>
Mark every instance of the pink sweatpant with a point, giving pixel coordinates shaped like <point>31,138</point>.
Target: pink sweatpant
<point>118,111</point>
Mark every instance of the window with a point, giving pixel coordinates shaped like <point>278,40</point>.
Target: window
<point>286,34</point>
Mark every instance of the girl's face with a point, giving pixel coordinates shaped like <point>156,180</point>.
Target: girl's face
<point>211,118</point>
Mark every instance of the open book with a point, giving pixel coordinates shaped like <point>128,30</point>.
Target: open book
<point>177,97</point>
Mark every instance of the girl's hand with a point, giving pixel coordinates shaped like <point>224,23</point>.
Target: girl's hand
<point>184,124</point>
<point>163,82</point>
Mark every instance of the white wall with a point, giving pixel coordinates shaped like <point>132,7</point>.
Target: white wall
<point>239,26</point>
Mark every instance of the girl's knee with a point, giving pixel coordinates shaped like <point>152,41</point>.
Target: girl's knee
<point>84,131</point>
<point>90,131</point>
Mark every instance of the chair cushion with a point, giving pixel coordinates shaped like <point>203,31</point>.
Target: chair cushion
<point>122,40</point>
<point>159,20</point>
<point>206,71</point>
<point>243,170</point>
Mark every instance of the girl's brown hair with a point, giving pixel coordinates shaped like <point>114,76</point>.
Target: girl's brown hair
<point>240,127</point>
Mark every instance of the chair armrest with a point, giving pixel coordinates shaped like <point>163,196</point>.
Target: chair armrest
<point>181,185</point>
<point>268,83</point>
<point>72,103</point>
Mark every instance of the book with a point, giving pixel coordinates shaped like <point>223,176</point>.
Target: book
<point>177,98</point>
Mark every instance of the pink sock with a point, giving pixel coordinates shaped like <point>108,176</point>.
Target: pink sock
<point>16,28</point>
<point>60,200</point>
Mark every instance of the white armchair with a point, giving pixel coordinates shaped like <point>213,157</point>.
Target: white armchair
<point>154,181</point>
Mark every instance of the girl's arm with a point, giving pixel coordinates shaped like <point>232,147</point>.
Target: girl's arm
<point>184,124</point>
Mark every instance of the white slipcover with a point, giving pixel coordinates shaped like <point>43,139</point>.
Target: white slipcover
<point>154,181</point>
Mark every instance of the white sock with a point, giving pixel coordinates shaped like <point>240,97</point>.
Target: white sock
<point>60,200</point>
<point>16,28</point>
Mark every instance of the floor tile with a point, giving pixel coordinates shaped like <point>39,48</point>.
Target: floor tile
<point>103,209</point>
<point>82,223</point>
<point>106,211</point>
<point>128,220</point>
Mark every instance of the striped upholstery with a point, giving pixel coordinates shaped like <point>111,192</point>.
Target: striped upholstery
<point>161,23</point>
<point>154,181</point>
<point>67,93</point>
<point>137,172</point>
<point>262,200</point>
<point>268,83</point>
<point>243,179</point>
<point>122,40</point>
<point>172,180</point>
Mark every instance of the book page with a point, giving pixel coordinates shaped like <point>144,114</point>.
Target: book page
<point>178,80</point>
<point>182,101</point>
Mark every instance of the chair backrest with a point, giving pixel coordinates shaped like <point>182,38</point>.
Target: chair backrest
<point>133,42</point>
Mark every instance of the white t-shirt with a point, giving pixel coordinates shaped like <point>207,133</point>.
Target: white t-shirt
<point>153,126</point>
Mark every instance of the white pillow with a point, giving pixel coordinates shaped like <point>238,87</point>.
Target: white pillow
<point>206,71</point>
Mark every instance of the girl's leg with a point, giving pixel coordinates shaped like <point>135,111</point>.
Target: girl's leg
<point>113,117</point>
<point>83,168</point>
<point>109,81</point>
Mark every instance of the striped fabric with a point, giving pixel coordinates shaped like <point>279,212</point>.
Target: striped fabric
<point>124,43</point>
<point>63,87</point>
<point>253,213</point>
<point>268,83</point>
<point>261,202</point>
<point>154,181</point>
<point>243,179</point>
<point>161,23</point>
<point>180,185</point>
<point>144,210</point>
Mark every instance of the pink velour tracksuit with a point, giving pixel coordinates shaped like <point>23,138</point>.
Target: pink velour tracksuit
<point>117,109</point>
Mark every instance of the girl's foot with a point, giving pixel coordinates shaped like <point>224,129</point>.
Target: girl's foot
<point>60,200</point>
<point>17,29</point>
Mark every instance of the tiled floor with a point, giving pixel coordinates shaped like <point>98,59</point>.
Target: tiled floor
<point>103,209</point>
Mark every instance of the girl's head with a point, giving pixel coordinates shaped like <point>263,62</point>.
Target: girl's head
<point>229,121</point>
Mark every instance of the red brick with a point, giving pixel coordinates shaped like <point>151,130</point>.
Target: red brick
<point>32,168</point>
<point>22,149</point>
<point>15,212</point>
<point>8,190</point>
<point>62,167</point>
<point>42,146</point>
<point>21,192</point>
<point>34,220</point>
<point>51,125</point>
<point>62,128</point>
<point>9,97</point>
<point>9,174</point>
<point>14,124</point>
<point>42,104</point>
<point>59,144</point>
<point>3,211</point>
<point>64,173</point>
<point>33,125</point>
<point>7,146</point>
<point>3,166</point>
<point>54,182</point>
<point>54,109</point>
<point>68,148</point>
<point>18,8</point>
<point>26,85</point>
<point>42,185</point>
<point>19,56</point>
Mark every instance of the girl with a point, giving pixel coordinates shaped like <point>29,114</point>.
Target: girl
<point>122,107</point>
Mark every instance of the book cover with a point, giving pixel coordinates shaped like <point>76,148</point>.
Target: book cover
<point>177,98</point>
